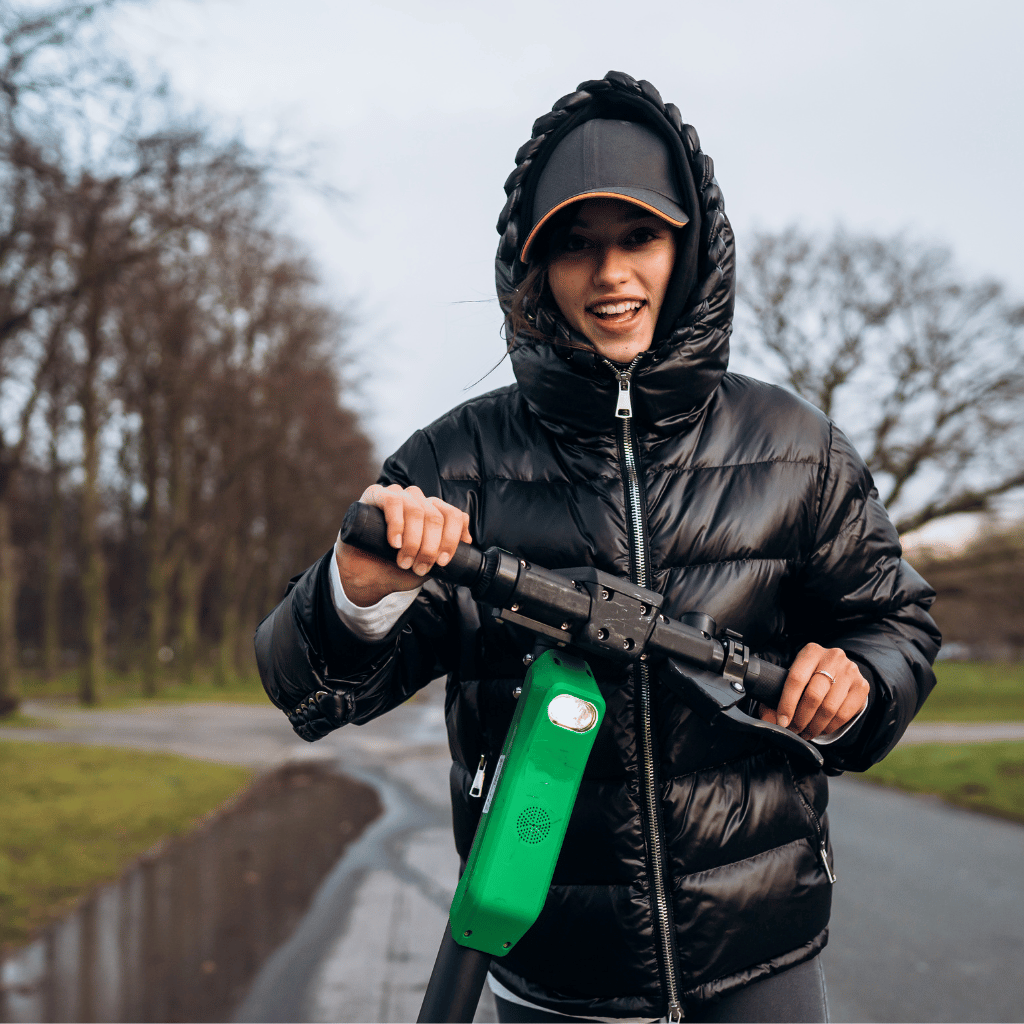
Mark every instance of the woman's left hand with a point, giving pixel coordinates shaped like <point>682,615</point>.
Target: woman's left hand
<point>823,691</point>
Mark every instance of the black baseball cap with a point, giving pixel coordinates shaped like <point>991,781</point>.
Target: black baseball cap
<point>603,159</point>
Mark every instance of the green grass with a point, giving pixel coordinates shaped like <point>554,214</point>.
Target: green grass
<point>974,691</point>
<point>124,689</point>
<point>73,816</point>
<point>985,777</point>
<point>21,721</point>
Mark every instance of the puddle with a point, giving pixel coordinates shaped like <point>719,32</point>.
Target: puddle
<point>181,935</point>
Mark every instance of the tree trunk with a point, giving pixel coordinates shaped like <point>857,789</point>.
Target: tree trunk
<point>157,568</point>
<point>188,622</point>
<point>94,580</point>
<point>52,580</point>
<point>156,625</point>
<point>227,667</point>
<point>94,576</point>
<point>8,627</point>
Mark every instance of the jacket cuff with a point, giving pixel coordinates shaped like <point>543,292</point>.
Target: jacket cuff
<point>370,624</point>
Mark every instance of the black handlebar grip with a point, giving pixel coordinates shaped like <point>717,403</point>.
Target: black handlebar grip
<point>365,527</point>
<point>767,683</point>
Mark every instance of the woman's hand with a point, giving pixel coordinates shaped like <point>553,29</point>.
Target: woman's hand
<point>424,530</point>
<point>823,691</point>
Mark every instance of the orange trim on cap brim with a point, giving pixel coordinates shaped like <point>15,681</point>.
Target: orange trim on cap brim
<point>595,195</point>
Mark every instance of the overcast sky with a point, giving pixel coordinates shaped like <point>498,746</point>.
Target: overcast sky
<point>884,116</point>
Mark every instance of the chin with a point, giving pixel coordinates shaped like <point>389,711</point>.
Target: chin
<point>621,350</point>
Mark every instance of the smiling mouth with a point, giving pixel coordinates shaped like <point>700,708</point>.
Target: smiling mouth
<point>617,312</point>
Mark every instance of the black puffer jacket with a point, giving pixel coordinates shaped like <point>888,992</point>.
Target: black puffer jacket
<point>754,508</point>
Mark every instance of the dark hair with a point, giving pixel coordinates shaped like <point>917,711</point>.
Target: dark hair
<point>526,302</point>
<point>532,312</point>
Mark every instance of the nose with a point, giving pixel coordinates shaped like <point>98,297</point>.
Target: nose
<point>612,267</point>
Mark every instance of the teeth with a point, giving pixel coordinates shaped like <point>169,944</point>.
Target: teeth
<point>613,308</point>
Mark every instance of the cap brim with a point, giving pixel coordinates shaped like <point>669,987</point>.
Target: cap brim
<point>647,199</point>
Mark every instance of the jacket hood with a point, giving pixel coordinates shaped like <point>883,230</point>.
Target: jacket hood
<point>572,390</point>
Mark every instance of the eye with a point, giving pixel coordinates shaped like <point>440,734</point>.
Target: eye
<point>641,236</point>
<point>576,242</point>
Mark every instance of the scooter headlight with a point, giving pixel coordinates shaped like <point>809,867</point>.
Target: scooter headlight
<point>572,713</point>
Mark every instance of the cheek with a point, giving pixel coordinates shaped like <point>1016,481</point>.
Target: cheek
<point>566,284</point>
<point>659,273</point>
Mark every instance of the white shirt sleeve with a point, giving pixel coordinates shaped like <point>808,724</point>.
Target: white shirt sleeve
<point>824,741</point>
<point>372,623</point>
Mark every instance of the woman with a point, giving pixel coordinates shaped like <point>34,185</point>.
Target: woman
<point>696,872</point>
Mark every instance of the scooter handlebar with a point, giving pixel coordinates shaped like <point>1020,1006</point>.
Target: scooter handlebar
<point>365,527</point>
<point>768,684</point>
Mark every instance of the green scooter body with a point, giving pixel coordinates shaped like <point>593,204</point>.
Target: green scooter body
<point>527,807</point>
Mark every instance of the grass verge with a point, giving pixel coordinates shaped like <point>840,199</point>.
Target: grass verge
<point>976,691</point>
<point>21,721</point>
<point>124,689</point>
<point>75,816</point>
<point>985,777</point>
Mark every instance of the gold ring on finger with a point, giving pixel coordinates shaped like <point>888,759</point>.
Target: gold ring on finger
<point>822,672</point>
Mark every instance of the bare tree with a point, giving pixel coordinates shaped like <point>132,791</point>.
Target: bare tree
<point>161,339</point>
<point>42,70</point>
<point>922,368</point>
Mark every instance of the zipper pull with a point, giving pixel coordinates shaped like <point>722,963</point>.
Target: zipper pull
<point>624,405</point>
<point>824,860</point>
<point>477,789</point>
<point>675,1012</point>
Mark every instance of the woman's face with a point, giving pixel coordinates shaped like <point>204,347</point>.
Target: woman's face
<point>610,275</point>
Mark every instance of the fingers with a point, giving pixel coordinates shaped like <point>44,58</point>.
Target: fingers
<point>424,530</point>
<point>800,673</point>
<point>454,531</point>
<point>823,691</point>
<point>388,499</point>
<point>855,701</point>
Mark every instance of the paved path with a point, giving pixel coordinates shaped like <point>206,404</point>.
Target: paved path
<point>955,732</point>
<point>928,914</point>
<point>254,735</point>
<point>929,907</point>
<point>261,736</point>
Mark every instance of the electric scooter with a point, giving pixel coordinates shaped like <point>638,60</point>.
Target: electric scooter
<point>559,710</point>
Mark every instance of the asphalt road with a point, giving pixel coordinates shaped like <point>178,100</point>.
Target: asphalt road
<point>928,916</point>
<point>928,921</point>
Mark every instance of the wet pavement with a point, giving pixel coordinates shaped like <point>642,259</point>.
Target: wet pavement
<point>182,933</point>
<point>929,908</point>
<point>365,950</point>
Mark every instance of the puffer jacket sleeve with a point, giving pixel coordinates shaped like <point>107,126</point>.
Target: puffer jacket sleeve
<point>322,675</point>
<point>857,593</point>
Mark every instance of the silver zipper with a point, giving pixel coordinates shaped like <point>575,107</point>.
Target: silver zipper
<point>477,789</point>
<point>823,854</point>
<point>624,405</point>
<point>819,833</point>
<point>648,775</point>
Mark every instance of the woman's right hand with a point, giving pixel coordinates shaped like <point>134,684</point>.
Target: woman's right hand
<point>424,530</point>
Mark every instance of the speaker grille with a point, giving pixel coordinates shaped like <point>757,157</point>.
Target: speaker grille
<point>533,825</point>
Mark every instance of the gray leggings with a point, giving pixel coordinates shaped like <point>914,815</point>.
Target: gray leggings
<point>794,995</point>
